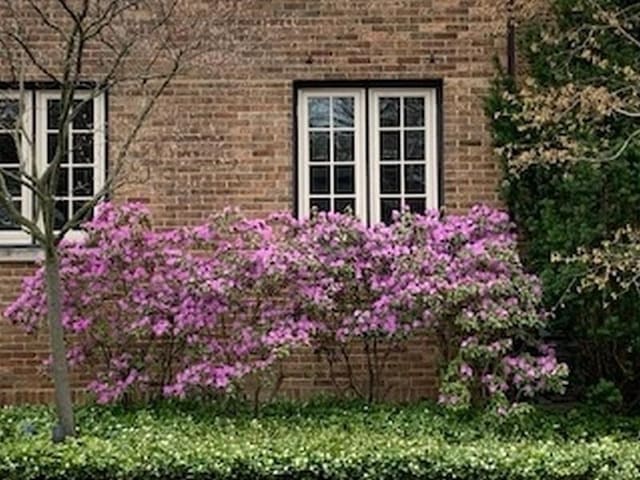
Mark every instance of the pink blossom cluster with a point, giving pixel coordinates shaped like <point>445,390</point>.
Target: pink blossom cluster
<point>177,311</point>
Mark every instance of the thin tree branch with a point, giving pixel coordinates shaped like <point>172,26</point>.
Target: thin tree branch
<point>627,113</point>
<point>7,202</point>
<point>27,50</point>
<point>75,220</point>
<point>624,146</point>
<point>44,18</point>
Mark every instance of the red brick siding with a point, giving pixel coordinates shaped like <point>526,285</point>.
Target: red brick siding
<point>236,141</point>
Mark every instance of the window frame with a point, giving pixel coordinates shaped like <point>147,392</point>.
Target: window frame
<point>35,97</point>
<point>432,89</point>
<point>21,237</point>
<point>430,148</point>
<point>304,164</point>
<point>99,139</point>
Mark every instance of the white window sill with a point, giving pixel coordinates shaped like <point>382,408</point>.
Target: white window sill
<point>26,254</point>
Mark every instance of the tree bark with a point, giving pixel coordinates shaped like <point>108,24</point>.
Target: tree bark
<point>60,369</point>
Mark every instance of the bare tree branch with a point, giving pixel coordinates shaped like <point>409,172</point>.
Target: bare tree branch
<point>77,218</point>
<point>623,148</point>
<point>44,18</point>
<point>34,60</point>
<point>7,202</point>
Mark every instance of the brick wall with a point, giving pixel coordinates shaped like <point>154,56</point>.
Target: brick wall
<point>225,137</point>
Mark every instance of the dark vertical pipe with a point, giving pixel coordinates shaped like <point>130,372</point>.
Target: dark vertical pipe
<point>511,40</point>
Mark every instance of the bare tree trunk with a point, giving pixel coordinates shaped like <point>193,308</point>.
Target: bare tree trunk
<point>60,369</point>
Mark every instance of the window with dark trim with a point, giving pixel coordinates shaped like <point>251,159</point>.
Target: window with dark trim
<point>371,150</point>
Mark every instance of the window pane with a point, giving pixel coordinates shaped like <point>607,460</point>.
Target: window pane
<point>53,114</point>
<point>8,150</point>
<point>390,179</point>
<point>389,112</point>
<point>344,179</point>
<point>414,178</point>
<point>77,205</point>
<point>13,185</point>
<point>416,205</point>
<point>61,214</point>
<point>343,112</point>
<point>5,222</point>
<point>52,143</point>
<point>344,205</point>
<point>322,204</point>
<point>319,180</point>
<point>83,119</point>
<point>82,148</point>
<point>319,112</point>
<point>82,182</point>
<point>414,145</point>
<point>387,206</point>
<point>390,145</point>
<point>344,147</point>
<point>62,188</point>
<point>9,110</point>
<point>414,111</point>
<point>319,146</point>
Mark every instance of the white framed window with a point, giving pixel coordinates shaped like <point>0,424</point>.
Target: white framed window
<point>404,151</point>
<point>82,172</point>
<point>83,168</point>
<point>15,155</point>
<point>331,137</point>
<point>392,161</point>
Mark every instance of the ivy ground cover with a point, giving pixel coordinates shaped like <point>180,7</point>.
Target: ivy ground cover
<point>320,441</point>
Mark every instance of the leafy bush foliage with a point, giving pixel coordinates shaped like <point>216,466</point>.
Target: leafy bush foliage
<point>196,309</point>
<point>320,441</point>
<point>571,174</point>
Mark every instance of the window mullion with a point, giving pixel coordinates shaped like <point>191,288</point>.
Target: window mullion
<point>402,152</point>
<point>332,185</point>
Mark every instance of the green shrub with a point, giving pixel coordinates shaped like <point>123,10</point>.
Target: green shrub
<point>605,396</point>
<point>321,441</point>
<point>560,207</point>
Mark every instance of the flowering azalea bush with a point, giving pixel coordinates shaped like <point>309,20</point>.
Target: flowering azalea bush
<point>168,312</point>
<point>458,278</point>
<point>192,309</point>
<point>343,268</point>
<point>244,273</point>
<point>469,285</point>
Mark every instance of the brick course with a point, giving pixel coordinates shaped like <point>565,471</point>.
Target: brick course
<point>236,141</point>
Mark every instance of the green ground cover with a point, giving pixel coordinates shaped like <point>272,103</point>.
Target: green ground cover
<point>319,441</point>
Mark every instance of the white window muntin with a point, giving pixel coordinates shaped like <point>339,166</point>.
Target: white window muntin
<point>305,196</point>
<point>18,236</point>
<point>430,161</point>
